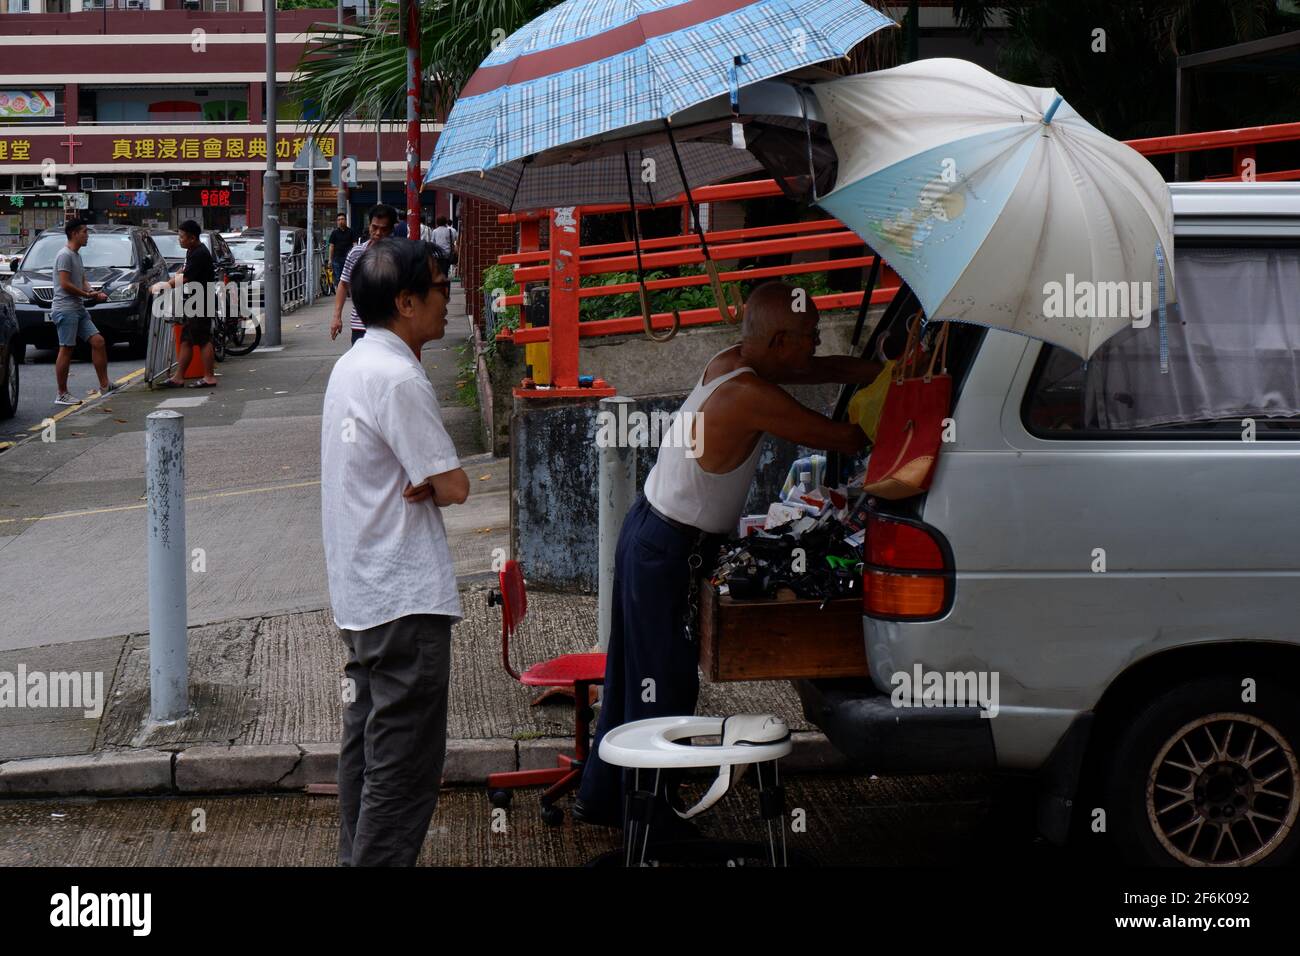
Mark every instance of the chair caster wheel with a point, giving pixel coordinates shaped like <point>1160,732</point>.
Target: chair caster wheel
<point>500,798</point>
<point>552,816</point>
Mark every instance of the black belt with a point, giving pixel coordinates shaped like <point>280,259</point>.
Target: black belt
<point>689,529</point>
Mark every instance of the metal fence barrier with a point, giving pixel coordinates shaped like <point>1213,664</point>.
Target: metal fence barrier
<point>160,355</point>
<point>293,281</point>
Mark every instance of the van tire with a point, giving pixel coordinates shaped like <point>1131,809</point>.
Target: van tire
<point>1188,726</point>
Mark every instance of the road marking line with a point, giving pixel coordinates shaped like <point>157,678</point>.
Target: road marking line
<point>189,401</point>
<point>143,505</point>
<point>59,416</point>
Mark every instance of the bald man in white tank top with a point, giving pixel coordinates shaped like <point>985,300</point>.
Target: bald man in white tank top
<point>693,500</point>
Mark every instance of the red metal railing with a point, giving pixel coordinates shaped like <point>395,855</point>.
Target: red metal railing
<point>565,262</point>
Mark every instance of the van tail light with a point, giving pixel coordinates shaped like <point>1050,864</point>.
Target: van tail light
<point>908,572</point>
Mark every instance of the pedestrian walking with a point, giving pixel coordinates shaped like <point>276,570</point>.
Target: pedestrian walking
<point>197,301</point>
<point>72,322</point>
<point>447,241</point>
<point>388,467</point>
<point>382,218</point>
<point>340,242</point>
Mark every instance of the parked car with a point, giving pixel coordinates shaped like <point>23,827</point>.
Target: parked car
<point>1120,549</point>
<point>248,249</point>
<point>223,259</point>
<point>10,356</point>
<point>122,261</point>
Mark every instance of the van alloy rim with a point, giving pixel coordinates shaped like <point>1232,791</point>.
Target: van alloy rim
<point>12,384</point>
<point>1223,791</point>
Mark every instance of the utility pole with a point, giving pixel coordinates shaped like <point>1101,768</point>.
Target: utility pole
<point>410,12</point>
<point>271,196</point>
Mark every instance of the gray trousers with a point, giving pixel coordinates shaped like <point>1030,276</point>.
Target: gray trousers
<point>394,738</point>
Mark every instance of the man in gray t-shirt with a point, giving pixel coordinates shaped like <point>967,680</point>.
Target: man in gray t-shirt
<point>71,320</point>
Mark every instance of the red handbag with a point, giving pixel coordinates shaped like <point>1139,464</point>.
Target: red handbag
<point>911,424</point>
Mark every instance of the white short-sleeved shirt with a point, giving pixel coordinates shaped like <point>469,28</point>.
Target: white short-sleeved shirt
<point>385,557</point>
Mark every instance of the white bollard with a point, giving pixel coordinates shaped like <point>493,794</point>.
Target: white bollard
<point>616,490</point>
<point>165,491</point>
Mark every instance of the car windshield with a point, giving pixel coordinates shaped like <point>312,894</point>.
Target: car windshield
<point>169,244</point>
<point>245,249</point>
<point>103,249</point>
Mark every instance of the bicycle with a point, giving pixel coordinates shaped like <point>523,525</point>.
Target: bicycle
<point>327,282</point>
<point>232,335</point>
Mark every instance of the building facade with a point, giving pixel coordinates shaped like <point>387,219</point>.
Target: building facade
<point>152,112</point>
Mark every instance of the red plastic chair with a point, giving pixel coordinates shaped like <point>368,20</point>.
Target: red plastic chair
<point>572,672</point>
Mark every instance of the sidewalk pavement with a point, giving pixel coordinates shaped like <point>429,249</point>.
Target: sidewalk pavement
<point>72,510</point>
<point>265,660</point>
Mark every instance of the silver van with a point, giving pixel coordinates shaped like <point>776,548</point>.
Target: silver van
<point>1111,552</point>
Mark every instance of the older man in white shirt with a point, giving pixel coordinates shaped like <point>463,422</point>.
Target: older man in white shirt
<point>388,467</point>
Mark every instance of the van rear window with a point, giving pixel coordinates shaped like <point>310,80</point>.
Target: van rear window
<point>1233,343</point>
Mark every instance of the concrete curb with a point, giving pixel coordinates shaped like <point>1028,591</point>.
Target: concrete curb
<point>216,768</point>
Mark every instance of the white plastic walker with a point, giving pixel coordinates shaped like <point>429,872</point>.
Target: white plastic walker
<point>655,744</point>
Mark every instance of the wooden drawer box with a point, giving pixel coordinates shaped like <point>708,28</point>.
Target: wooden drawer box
<point>779,640</point>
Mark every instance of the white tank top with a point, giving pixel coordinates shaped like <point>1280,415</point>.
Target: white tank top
<point>678,487</point>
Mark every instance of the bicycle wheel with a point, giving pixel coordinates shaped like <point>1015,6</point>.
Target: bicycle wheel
<point>244,340</point>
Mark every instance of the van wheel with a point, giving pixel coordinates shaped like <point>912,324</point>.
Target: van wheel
<point>1201,778</point>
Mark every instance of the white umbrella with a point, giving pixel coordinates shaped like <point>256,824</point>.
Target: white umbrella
<point>997,203</point>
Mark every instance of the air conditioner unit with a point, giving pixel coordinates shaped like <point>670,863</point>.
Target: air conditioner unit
<point>173,184</point>
<point>29,182</point>
<point>237,186</point>
<point>135,4</point>
<point>134,182</point>
<point>157,182</point>
<point>105,182</point>
<point>87,183</point>
<point>192,4</point>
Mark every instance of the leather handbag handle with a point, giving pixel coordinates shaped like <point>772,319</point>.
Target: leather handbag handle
<point>940,344</point>
<point>907,363</point>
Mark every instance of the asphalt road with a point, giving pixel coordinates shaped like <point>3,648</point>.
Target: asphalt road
<point>37,390</point>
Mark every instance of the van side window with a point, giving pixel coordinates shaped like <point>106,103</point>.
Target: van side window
<point>1234,354</point>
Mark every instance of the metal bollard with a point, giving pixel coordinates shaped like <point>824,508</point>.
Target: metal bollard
<point>165,491</point>
<point>616,489</point>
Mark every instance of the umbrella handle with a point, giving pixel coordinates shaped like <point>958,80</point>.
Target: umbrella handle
<point>649,325</point>
<point>730,305</point>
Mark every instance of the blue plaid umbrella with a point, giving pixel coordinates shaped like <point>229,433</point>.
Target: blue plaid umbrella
<point>588,68</point>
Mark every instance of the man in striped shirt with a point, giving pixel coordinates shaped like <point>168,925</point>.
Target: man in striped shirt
<point>383,218</point>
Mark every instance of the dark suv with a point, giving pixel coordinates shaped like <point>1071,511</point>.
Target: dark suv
<point>120,260</point>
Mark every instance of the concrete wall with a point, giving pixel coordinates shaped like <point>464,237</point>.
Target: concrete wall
<point>553,454</point>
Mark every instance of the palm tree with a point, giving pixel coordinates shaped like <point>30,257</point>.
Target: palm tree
<point>361,70</point>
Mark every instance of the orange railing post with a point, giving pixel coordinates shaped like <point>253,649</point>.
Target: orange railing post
<point>567,260</point>
<point>565,279</point>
